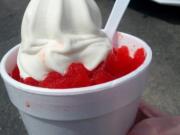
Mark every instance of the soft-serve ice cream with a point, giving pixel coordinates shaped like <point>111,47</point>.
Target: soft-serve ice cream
<point>63,46</point>
<point>56,33</point>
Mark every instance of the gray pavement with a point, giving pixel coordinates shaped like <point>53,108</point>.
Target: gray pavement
<point>158,25</point>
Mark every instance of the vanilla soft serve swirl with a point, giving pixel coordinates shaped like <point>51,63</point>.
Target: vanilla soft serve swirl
<point>56,33</point>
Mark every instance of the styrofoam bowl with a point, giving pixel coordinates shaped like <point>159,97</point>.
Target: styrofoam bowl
<point>105,109</point>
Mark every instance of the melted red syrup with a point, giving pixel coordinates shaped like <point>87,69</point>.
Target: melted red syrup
<point>117,64</point>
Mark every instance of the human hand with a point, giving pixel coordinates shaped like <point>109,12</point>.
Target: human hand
<point>151,121</point>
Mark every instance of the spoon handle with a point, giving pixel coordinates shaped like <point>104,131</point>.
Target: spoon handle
<point>115,17</point>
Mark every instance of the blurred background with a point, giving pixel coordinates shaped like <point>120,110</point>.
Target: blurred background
<point>157,24</point>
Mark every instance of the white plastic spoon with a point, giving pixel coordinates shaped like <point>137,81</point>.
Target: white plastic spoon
<point>115,17</point>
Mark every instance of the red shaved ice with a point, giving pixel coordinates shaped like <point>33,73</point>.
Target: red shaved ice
<point>117,64</point>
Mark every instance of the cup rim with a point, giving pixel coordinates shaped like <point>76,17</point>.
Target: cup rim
<point>76,91</point>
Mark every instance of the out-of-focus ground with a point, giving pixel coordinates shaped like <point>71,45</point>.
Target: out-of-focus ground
<point>158,25</point>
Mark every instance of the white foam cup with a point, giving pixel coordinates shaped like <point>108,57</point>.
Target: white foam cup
<point>105,109</point>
